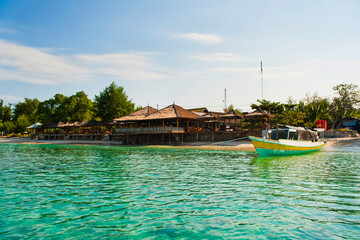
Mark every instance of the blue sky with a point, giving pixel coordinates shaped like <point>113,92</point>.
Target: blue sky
<point>182,51</point>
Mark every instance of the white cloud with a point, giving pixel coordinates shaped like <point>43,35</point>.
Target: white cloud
<point>209,39</point>
<point>219,57</point>
<point>7,30</point>
<point>233,70</point>
<point>27,64</point>
<point>40,66</point>
<point>53,49</point>
<point>10,99</point>
<point>133,66</point>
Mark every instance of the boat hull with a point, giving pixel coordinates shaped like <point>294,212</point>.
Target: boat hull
<point>267,147</point>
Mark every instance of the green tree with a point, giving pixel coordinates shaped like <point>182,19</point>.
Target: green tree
<point>27,108</point>
<point>291,117</point>
<point>230,108</point>
<point>113,103</point>
<point>53,110</point>
<point>315,108</point>
<point>270,107</point>
<point>5,112</point>
<point>346,103</point>
<point>21,124</point>
<point>78,107</point>
<point>8,127</point>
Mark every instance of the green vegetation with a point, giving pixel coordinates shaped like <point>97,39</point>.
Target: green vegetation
<point>113,102</point>
<point>305,113</point>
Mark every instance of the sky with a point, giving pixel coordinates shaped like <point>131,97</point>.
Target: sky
<point>185,52</point>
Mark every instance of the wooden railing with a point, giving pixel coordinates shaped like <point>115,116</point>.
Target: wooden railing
<point>150,130</point>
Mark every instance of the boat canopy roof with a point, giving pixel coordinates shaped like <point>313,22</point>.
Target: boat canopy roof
<point>289,128</point>
<point>301,133</point>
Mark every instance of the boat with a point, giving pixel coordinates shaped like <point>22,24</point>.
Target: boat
<point>287,140</point>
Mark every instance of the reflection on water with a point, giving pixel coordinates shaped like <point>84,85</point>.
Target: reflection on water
<point>133,193</point>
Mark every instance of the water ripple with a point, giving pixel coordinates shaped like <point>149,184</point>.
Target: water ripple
<point>132,193</point>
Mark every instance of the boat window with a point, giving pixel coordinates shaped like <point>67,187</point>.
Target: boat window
<point>293,136</point>
<point>279,134</point>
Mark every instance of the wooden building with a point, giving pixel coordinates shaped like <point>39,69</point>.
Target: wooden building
<point>258,119</point>
<point>171,119</point>
<point>170,125</point>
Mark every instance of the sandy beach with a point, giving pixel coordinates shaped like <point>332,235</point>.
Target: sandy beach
<point>243,145</point>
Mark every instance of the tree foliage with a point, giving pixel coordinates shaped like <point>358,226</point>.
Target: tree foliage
<point>21,124</point>
<point>231,108</point>
<point>345,103</point>
<point>113,103</point>
<point>305,113</point>
<point>5,112</point>
<point>315,108</point>
<point>268,106</point>
<point>78,107</point>
<point>7,127</point>
<point>27,108</point>
<point>52,110</point>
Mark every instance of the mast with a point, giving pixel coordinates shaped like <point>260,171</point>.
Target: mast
<point>225,98</point>
<point>262,81</point>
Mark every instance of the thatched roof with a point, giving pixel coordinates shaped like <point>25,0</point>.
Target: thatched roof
<point>35,125</point>
<point>231,115</point>
<point>199,110</point>
<point>207,116</point>
<point>68,124</point>
<point>78,124</point>
<point>212,115</point>
<point>138,115</point>
<point>258,114</point>
<point>53,125</point>
<point>93,123</point>
<point>171,112</point>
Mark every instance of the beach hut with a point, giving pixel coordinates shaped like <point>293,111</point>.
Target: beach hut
<point>259,114</point>
<point>33,128</point>
<point>174,116</point>
<point>199,111</point>
<point>231,120</point>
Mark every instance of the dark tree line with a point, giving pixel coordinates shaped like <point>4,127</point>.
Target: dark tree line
<point>112,102</point>
<point>345,104</point>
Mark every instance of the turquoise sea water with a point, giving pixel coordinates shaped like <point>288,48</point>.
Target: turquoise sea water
<point>92,192</point>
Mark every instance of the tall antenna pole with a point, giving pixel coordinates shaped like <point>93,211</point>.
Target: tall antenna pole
<point>225,98</point>
<point>262,81</point>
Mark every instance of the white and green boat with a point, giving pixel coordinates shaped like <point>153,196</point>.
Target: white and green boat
<point>287,140</point>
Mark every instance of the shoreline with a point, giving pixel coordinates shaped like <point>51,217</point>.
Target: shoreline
<point>243,145</point>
